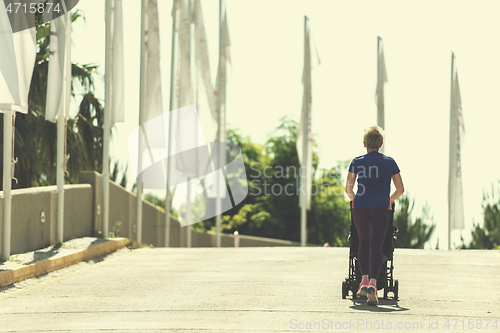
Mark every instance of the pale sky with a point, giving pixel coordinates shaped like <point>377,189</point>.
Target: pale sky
<point>265,84</point>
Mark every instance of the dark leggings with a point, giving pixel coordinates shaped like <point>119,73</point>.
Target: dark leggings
<point>372,226</point>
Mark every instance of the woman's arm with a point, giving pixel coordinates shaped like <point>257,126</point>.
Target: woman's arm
<point>400,189</point>
<point>351,179</point>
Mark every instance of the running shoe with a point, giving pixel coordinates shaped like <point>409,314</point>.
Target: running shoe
<point>371,291</point>
<point>362,288</point>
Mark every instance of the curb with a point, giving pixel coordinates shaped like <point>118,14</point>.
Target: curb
<point>48,265</point>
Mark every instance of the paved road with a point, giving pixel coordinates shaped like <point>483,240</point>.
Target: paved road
<point>255,290</point>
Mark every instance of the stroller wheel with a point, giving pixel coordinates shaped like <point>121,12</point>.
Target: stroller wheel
<point>396,289</point>
<point>386,288</point>
<point>344,290</point>
<point>355,286</point>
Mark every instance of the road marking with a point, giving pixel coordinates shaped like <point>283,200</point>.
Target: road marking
<point>65,276</point>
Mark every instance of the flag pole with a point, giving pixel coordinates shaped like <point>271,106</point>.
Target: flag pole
<point>142,101</point>
<point>18,86</point>
<point>61,126</point>
<point>191,53</point>
<point>303,206</point>
<point>107,119</point>
<point>218,205</point>
<point>61,139</point>
<point>188,213</point>
<point>181,91</point>
<point>7,182</point>
<point>171,106</point>
<point>380,119</point>
<point>451,142</point>
<point>380,101</point>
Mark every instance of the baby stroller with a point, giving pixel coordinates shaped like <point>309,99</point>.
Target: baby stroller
<point>385,279</point>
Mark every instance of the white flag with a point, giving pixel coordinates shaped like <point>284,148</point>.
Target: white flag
<point>457,131</point>
<point>118,81</point>
<point>206,103</point>
<point>184,61</point>
<point>59,75</point>
<point>381,80</point>
<point>153,105</point>
<point>187,121</point>
<point>154,101</point>
<point>304,139</point>
<point>201,92</point>
<point>150,137</point>
<point>223,71</point>
<point>17,60</point>
<point>220,84</point>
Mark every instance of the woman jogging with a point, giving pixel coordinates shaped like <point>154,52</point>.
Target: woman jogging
<point>371,206</point>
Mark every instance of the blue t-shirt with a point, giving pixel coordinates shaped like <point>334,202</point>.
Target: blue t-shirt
<point>374,173</point>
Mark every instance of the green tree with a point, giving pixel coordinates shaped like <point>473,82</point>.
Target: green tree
<point>197,211</point>
<point>247,216</point>
<point>487,236</point>
<point>114,174</point>
<point>329,218</point>
<point>412,234</point>
<point>284,174</point>
<point>157,201</point>
<point>35,138</point>
<point>272,207</point>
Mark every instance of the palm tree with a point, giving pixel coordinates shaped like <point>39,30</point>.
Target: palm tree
<point>35,138</point>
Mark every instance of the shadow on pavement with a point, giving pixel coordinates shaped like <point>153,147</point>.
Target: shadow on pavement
<point>98,240</point>
<point>384,305</point>
<point>40,255</point>
<point>100,258</point>
<point>8,288</point>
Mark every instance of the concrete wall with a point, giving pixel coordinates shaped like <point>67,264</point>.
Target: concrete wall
<point>29,232</point>
<point>123,206</point>
<point>83,218</point>
<point>208,239</point>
